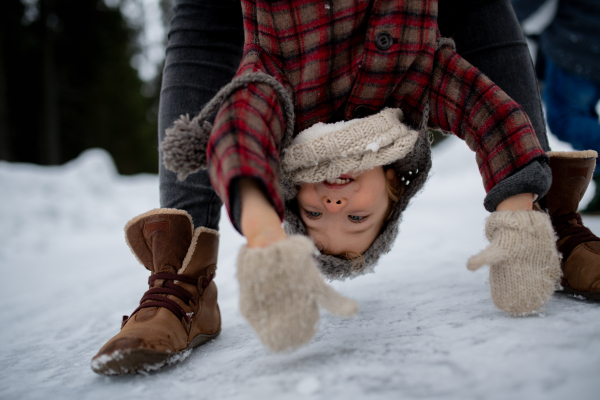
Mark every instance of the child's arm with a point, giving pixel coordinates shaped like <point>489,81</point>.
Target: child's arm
<point>464,101</point>
<point>260,222</point>
<point>280,285</point>
<point>524,263</point>
<point>523,201</point>
<point>244,143</point>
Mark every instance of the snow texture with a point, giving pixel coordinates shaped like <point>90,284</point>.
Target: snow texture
<point>426,329</point>
<point>373,146</point>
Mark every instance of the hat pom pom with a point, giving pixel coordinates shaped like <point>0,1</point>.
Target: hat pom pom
<point>184,147</point>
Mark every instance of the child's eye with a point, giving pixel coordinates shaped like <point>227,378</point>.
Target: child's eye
<point>313,214</point>
<point>356,218</point>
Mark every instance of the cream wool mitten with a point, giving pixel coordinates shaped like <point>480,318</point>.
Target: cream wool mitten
<point>280,287</point>
<point>524,263</point>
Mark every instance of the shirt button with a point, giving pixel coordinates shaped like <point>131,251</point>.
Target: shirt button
<point>362,112</point>
<point>384,41</point>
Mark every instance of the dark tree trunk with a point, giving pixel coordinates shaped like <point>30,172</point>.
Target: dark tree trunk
<point>50,134</point>
<point>5,145</point>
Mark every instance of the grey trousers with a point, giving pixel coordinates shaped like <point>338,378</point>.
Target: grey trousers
<point>205,47</point>
<point>204,50</point>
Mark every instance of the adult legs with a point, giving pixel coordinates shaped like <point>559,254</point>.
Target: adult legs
<point>488,35</point>
<point>570,106</point>
<point>204,50</point>
<point>203,53</point>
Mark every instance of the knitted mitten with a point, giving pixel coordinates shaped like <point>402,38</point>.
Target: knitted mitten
<point>280,287</point>
<point>524,263</point>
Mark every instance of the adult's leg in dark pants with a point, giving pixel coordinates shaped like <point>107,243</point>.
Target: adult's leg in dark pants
<point>488,35</point>
<point>204,51</point>
<point>570,101</point>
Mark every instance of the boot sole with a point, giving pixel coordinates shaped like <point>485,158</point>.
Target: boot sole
<point>594,296</point>
<point>135,361</point>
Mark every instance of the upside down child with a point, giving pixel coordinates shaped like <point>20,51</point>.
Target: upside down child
<point>379,75</point>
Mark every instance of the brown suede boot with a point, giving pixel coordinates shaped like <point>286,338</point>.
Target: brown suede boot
<point>580,248</point>
<point>180,310</point>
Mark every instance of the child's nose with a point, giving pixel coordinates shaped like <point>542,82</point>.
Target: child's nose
<point>333,204</point>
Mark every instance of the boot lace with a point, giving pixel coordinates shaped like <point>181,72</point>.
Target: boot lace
<point>576,234</point>
<point>156,297</point>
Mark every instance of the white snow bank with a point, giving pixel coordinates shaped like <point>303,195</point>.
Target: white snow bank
<point>84,195</point>
<point>427,327</point>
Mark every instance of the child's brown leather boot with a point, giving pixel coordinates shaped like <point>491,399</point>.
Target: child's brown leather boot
<point>580,248</point>
<point>180,310</point>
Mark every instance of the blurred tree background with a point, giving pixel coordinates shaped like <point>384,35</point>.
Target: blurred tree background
<point>70,80</point>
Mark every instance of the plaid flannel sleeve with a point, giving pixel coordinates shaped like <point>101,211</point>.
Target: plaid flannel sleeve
<point>464,101</point>
<point>246,135</point>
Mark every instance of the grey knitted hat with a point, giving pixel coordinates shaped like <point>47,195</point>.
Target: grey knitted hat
<point>412,162</point>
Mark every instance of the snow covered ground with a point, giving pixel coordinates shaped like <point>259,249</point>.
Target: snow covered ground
<point>427,328</point>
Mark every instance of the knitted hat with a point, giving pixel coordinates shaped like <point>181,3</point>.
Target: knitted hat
<point>325,151</point>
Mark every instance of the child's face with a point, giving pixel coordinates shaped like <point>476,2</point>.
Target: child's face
<point>345,216</point>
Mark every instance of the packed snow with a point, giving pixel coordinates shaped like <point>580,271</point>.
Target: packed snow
<point>373,146</point>
<point>426,329</point>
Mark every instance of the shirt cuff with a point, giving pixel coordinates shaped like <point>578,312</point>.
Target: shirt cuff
<point>535,178</point>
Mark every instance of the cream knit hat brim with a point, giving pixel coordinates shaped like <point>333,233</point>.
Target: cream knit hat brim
<point>325,151</point>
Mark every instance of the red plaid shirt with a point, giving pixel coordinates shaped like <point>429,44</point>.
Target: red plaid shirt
<point>344,59</point>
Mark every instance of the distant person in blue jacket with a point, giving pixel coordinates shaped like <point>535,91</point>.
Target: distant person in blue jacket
<point>571,49</point>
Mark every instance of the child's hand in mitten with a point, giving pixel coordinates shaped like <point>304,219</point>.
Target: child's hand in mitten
<point>524,263</point>
<point>280,287</point>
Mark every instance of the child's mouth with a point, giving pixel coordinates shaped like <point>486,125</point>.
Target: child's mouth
<point>339,182</point>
